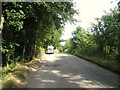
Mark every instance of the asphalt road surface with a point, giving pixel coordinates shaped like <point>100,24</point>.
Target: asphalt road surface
<point>63,70</point>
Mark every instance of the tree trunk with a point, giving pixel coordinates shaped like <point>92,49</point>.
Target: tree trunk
<point>24,43</point>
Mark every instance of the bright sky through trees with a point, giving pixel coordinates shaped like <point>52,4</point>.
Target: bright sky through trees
<point>89,10</point>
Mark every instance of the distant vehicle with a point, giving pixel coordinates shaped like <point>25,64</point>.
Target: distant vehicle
<point>50,49</point>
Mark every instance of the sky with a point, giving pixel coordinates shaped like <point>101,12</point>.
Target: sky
<point>88,11</point>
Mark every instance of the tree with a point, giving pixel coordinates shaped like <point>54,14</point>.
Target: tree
<point>29,26</point>
<point>81,42</point>
<point>106,34</point>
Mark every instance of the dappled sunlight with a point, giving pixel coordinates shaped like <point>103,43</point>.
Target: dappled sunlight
<point>46,81</point>
<point>44,70</point>
<point>33,69</point>
<point>31,44</point>
<point>75,77</point>
<point>65,55</point>
<point>79,80</point>
<point>56,72</point>
<point>65,75</point>
<point>74,80</point>
<point>86,85</point>
<point>62,71</point>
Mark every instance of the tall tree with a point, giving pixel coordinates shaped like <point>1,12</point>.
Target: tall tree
<point>29,26</point>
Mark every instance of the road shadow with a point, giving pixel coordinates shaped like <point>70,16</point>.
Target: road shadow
<point>68,71</point>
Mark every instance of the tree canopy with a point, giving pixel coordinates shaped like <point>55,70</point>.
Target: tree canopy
<point>30,25</point>
<point>103,41</point>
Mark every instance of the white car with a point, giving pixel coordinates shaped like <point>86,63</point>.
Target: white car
<point>50,49</point>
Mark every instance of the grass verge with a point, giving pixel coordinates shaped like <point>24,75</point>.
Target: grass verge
<point>17,77</point>
<point>108,64</point>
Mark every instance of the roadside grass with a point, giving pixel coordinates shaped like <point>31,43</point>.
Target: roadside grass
<point>16,77</point>
<point>108,64</point>
<point>10,81</point>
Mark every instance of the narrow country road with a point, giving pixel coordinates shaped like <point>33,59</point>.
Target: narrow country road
<point>63,70</point>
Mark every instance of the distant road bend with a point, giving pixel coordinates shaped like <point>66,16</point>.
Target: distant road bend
<point>63,70</point>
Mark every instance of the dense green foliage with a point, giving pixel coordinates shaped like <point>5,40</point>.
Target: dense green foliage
<point>102,42</point>
<point>106,33</point>
<point>28,26</point>
<point>81,43</point>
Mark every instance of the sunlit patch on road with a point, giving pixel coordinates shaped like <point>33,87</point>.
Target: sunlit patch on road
<point>67,71</point>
